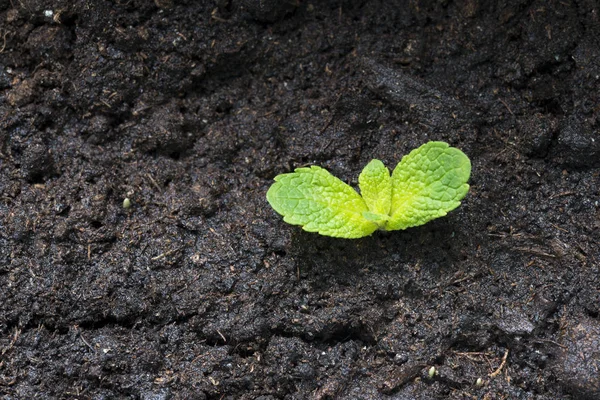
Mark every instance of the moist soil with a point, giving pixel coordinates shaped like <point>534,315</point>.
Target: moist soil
<point>199,290</point>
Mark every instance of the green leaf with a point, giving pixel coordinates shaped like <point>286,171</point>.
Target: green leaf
<point>428,183</point>
<point>320,202</point>
<point>376,188</point>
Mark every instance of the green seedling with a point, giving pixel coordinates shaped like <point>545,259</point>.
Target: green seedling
<point>432,372</point>
<point>428,183</point>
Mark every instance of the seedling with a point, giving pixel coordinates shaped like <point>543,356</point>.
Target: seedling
<point>428,183</point>
<point>432,372</point>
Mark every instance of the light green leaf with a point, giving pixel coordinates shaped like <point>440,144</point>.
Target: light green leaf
<point>376,188</point>
<point>428,183</point>
<point>320,202</point>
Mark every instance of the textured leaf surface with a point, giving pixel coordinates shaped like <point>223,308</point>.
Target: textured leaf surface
<point>320,202</point>
<point>376,189</point>
<point>428,183</point>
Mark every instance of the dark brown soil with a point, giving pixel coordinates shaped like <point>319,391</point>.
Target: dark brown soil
<point>199,290</point>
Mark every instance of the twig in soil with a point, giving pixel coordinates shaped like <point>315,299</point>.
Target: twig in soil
<point>562,346</point>
<point>496,372</point>
<point>168,253</point>
<point>561,194</point>
<point>464,394</point>
<point>506,105</point>
<point>4,39</point>
<point>214,16</point>
<point>456,280</point>
<point>153,182</point>
<point>535,251</point>
<point>187,284</point>
<point>560,229</point>
<point>222,337</point>
<point>12,342</point>
<point>474,355</point>
<point>327,125</point>
<point>86,342</point>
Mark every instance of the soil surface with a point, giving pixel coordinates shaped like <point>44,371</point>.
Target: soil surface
<point>199,290</point>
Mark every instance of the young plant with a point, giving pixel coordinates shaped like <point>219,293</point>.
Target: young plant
<point>428,183</point>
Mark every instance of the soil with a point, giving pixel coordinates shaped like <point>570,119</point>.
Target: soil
<point>199,290</point>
